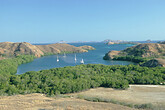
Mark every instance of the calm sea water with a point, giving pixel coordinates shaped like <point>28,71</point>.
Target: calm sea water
<point>91,57</point>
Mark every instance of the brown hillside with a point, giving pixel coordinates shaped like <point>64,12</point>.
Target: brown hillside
<point>110,55</point>
<point>9,49</point>
<point>142,50</point>
<point>13,49</point>
<point>146,50</point>
<point>86,47</point>
<point>58,48</point>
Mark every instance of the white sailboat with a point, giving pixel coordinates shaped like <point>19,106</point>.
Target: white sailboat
<point>57,59</point>
<point>82,61</point>
<point>75,59</point>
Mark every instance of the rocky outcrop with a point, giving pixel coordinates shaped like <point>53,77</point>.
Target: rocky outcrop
<point>110,55</point>
<point>155,63</point>
<point>23,48</point>
<point>86,47</point>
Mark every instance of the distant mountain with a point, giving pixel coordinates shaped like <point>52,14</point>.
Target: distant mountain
<point>111,42</point>
<point>9,49</point>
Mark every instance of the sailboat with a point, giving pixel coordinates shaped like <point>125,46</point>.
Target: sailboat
<point>82,61</point>
<point>57,59</point>
<point>75,58</point>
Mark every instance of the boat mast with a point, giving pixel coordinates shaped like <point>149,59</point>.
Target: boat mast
<point>82,61</point>
<point>75,58</point>
<point>57,59</point>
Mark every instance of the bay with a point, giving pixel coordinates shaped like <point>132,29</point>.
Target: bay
<point>91,57</point>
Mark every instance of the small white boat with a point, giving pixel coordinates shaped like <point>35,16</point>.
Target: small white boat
<point>82,61</point>
<point>57,59</point>
<point>75,59</point>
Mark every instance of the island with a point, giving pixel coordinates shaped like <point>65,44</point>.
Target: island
<point>111,42</point>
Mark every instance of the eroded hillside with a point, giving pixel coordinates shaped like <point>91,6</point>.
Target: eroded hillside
<point>9,49</point>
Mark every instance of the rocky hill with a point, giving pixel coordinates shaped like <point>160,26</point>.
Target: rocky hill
<point>60,48</point>
<point>141,50</point>
<point>13,49</point>
<point>147,50</point>
<point>8,49</point>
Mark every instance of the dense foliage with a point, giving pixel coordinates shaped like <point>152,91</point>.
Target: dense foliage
<point>132,58</point>
<point>9,66</point>
<point>135,51</point>
<point>79,78</point>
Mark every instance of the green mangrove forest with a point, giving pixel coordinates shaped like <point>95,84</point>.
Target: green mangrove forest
<point>73,78</point>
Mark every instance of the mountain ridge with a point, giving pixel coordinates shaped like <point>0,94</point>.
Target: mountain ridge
<point>10,49</point>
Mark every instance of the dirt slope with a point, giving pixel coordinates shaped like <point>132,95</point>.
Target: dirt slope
<point>40,102</point>
<point>9,49</point>
<point>136,94</point>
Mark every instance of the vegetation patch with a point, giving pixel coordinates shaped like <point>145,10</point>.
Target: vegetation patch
<point>135,59</point>
<point>9,66</point>
<point>79,78</point>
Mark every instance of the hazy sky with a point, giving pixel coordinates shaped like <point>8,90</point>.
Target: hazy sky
<point>81,20</point>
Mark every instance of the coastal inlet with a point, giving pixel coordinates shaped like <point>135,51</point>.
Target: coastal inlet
<point>90,57</point>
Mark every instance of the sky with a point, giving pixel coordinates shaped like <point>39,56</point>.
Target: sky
<point>47,21</point>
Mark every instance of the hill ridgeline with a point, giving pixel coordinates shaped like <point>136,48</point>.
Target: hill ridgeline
<point>9,49</point>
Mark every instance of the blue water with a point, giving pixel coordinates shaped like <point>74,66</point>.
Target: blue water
<point>91,57</point>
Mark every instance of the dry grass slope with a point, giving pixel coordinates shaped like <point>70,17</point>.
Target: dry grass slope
<point>9,49</point>
<point>136,94</point>
<point>41,102</point>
